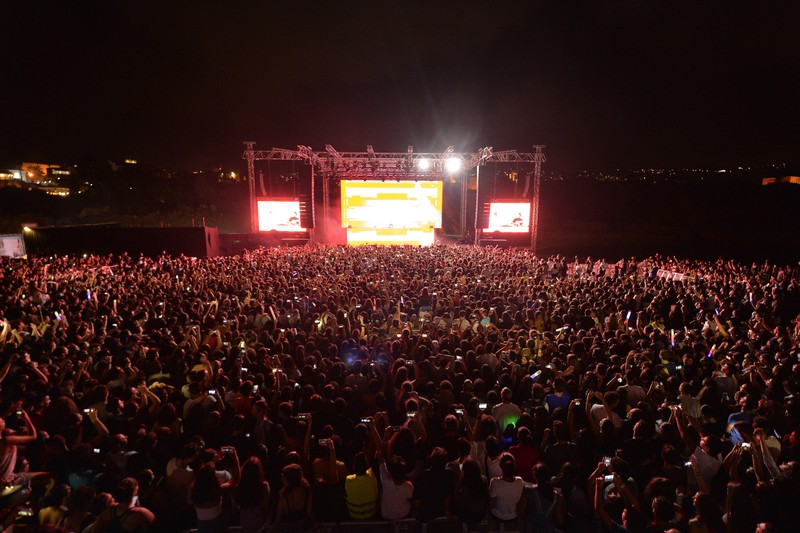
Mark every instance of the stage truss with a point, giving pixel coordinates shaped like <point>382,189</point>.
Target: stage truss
<point>333,166</point>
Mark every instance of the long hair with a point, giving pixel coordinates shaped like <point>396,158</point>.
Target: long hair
<point>707,512</point>
<point>493,447</point>
<point>741,508</point>
<point>205,488</point>
<point>543,480</point>
<point>293,477</point>
<point>402,444</point>
<point>397,469</point>
<point>487,426</point>
<point>472,479</point>
<point>250,492</point>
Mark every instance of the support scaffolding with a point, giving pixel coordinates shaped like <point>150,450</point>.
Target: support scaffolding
<point>537,181</point>
<point>333,165</point>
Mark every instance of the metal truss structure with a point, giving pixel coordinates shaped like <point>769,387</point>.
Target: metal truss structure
<point>333,166</point>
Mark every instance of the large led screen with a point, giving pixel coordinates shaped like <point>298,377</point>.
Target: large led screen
<point>12,245</point>
<point>509,217</point>
<point>392,212</point>
<point>279,215</point>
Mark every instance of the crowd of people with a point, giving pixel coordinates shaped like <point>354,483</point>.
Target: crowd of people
<point>286,388</point>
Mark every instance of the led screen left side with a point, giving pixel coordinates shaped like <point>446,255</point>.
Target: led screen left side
<point>279,215</point>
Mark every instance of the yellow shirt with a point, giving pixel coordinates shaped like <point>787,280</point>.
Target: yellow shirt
<point>361,494</point>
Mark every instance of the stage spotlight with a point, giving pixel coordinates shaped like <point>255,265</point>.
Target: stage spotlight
<point>424,164</point>
<point>453,165</point>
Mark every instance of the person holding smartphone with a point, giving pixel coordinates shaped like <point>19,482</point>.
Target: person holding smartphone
<point>9,440</point>
<point>207,493</point>
<point>632,517</point>
<point>397,491</point>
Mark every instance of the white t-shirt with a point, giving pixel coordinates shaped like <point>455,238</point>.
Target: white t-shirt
<point>599,413</point>
<point>508,495</point>
<point>179,479</point>
<point>774,446</point>
<point>477,451</point>
<point>488,359</point>
<point>635,394</point>
<point>208,401</point>
<point>396,499</point>
<point>504,414</point>
<point>493,467</point>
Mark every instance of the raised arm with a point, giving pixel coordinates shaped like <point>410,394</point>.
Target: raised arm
<point>547,437</point>
<point>149,398</point>
<point>731,462</point>
<point>35,367</point>
<point>602,398</point>
<point>571,420</point>
<point>10,361</point>
<point>699,479</point>
<point>29,429</point>
<point>695,424</point>
<point>236,473</point>
<point>763,458</point>
<point>380,443</point>
<point>626,492</point>
<point>599,504</point>
<point>691,444</point>
<point>307,440</point>
<point>102,430</point>
<point>592,422</point>
<point>332,471</point>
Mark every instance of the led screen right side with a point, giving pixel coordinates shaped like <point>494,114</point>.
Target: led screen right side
<point>509,217</point>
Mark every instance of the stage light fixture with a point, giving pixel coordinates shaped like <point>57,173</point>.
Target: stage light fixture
<point>424,164</point>
<point>453,165</point>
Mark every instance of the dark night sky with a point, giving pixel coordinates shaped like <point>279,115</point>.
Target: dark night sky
<point>602,84</point>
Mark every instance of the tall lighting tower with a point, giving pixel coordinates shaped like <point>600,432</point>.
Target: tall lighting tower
<point>249,154</point>
<point>538,159</point>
